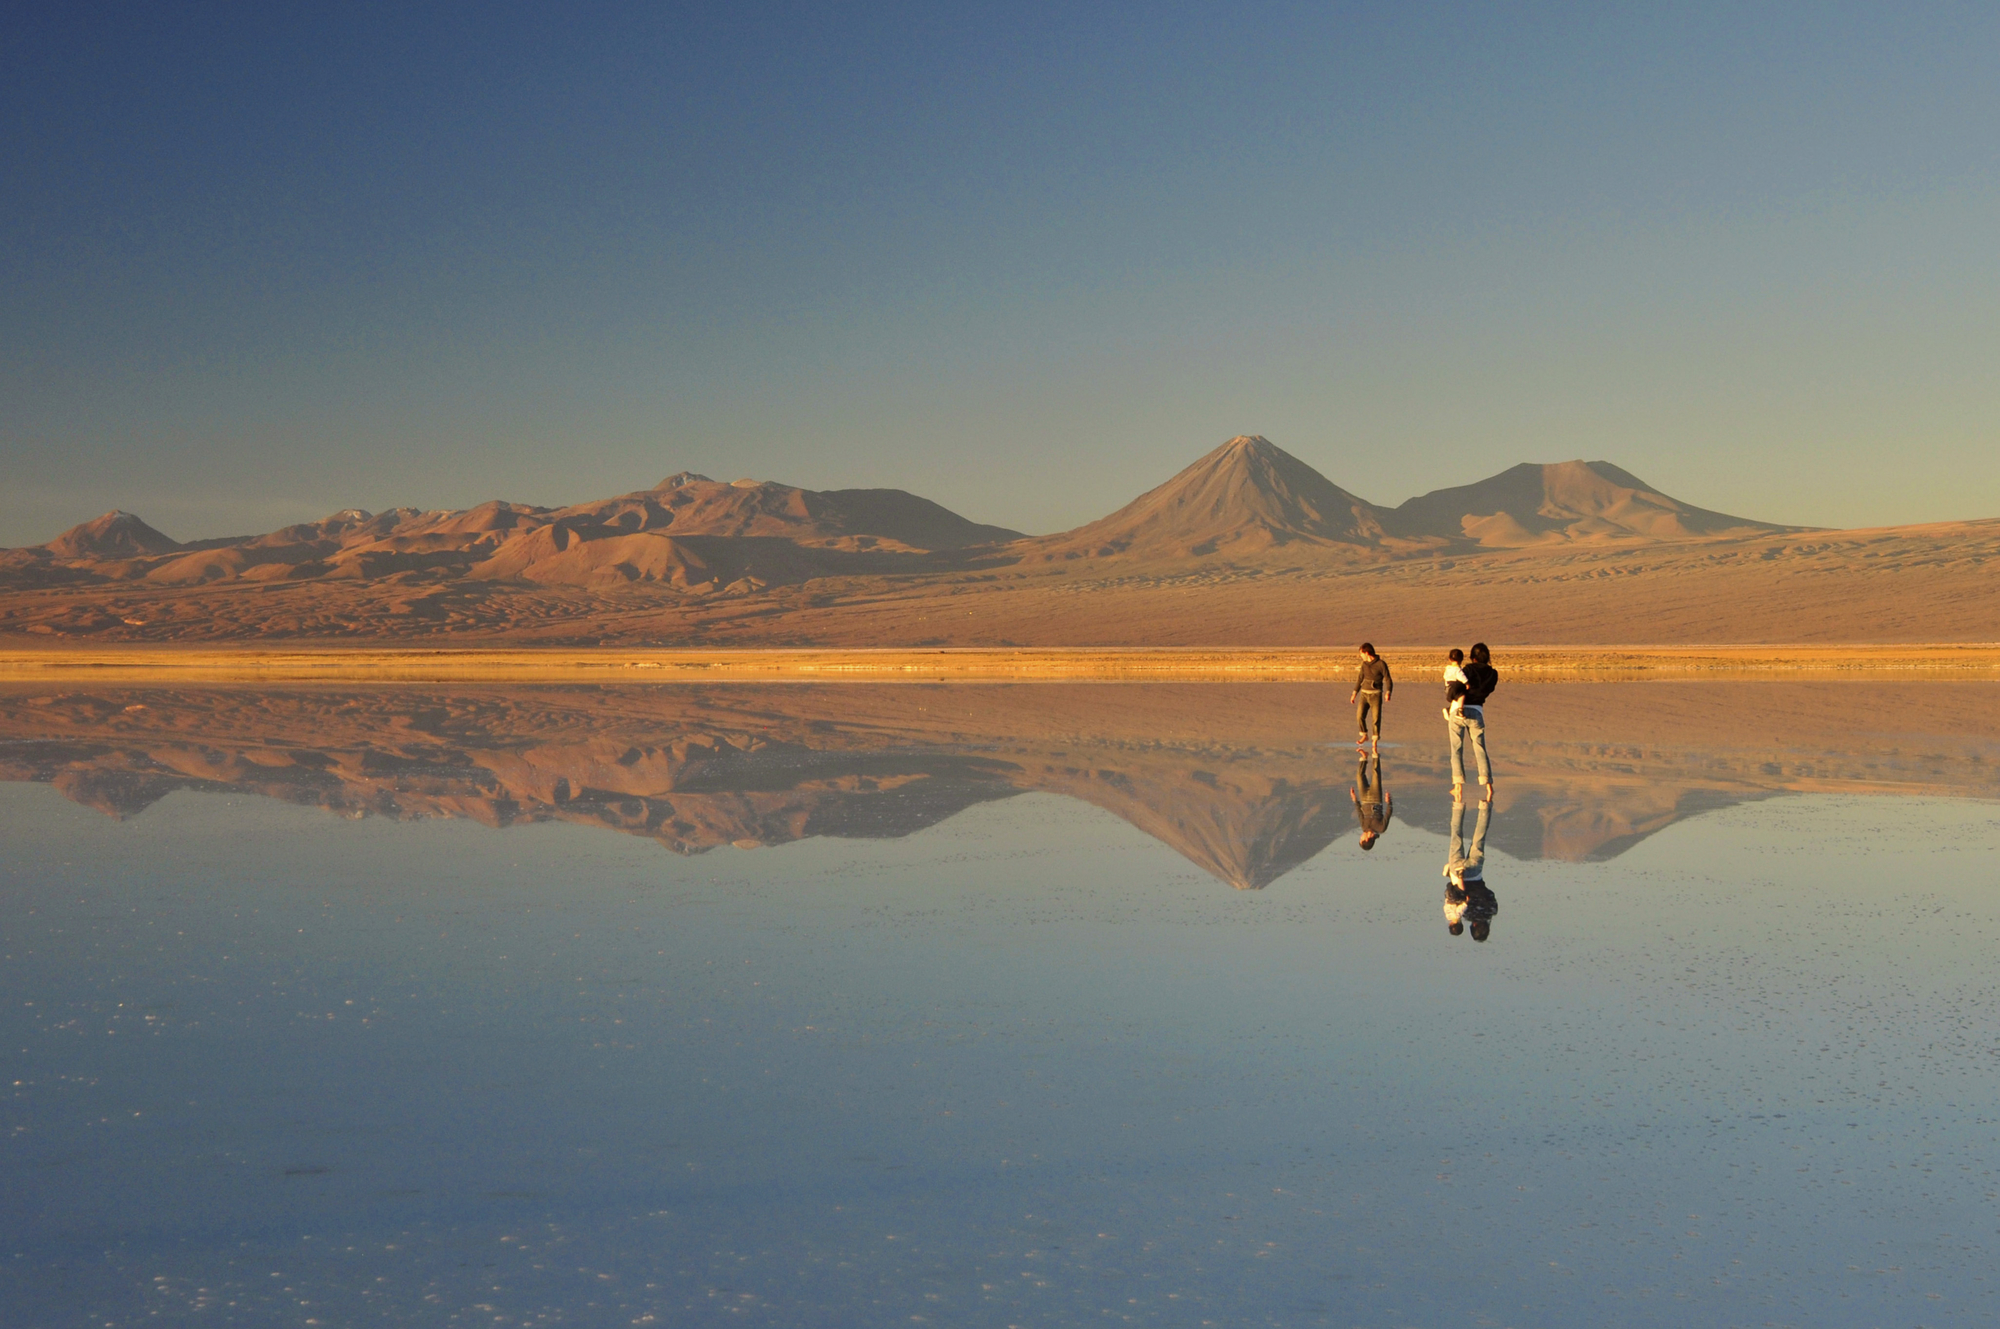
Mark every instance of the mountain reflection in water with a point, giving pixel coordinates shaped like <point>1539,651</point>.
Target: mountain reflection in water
<point>1246,780</point>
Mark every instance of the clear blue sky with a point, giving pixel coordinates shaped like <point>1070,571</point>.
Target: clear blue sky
<point>258,263</point>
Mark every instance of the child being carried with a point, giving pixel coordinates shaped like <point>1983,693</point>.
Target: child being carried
<point>1454,683</point>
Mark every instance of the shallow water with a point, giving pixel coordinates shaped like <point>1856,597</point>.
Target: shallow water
<point>975,1030</point>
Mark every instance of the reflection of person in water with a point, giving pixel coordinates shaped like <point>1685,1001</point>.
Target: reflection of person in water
<point>1373,807</point>
<point>1467,901</point>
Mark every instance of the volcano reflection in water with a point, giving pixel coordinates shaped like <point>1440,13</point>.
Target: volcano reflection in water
<point>1248,781</point>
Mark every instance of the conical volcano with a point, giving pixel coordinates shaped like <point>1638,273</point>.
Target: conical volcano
<point>1247,496</point>
<point>1567,501</point>
<point>114,535</point>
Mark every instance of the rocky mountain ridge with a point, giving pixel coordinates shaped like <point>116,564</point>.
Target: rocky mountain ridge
<point>1246,546</point>
<point>688,531</point>
<point>1250,496</point>
<point>1242,501</point>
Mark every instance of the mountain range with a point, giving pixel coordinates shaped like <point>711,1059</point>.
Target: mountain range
<point>686,531</point>
<point>1245,498</point>
<point>694,560</point>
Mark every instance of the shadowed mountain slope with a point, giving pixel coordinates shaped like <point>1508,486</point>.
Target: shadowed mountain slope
<point>691,532</point>
<point>1245,497</point>
<point>698,505</point>
<point>1559,502</point>
<point>114,535</point>
<point>688,533</point>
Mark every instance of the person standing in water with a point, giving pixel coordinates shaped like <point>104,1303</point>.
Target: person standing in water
<point>1373,687</point>
<point>1465,716</point>
<point>1373,807</point>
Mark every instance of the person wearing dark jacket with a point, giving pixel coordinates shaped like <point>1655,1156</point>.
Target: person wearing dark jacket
<point>1465,716</point>
<point>1373,686</point>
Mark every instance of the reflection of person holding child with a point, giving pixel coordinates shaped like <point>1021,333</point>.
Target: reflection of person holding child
<point>1467,900</point>
<point>1373,807</point>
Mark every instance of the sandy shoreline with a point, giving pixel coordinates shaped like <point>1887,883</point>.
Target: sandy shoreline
<point>1129,664</point>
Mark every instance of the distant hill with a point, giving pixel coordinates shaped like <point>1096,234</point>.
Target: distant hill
<point>1250,496</point>
<point>701,506</point>
<point>1563,501</point>
<point>688,531</point>
<point>1245,497</point>
<point>114,535</point>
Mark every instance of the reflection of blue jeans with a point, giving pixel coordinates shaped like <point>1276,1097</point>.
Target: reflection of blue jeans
<point>1471,725</point>
<point>1468,866</point>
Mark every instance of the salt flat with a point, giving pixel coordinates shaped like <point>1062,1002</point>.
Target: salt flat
<point>996,1003</point>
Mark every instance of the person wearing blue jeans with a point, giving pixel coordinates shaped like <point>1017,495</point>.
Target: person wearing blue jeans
<point>1465,716</point>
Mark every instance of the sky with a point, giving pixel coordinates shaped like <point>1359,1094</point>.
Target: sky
<point>261,263</point>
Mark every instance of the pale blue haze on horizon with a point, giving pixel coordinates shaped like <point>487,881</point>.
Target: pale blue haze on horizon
<point>1025,260</point>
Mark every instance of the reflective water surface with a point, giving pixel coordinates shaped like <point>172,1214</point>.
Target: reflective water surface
<point>962,1022</point>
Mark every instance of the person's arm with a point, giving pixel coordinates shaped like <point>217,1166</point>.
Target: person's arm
<point>1388,682</point>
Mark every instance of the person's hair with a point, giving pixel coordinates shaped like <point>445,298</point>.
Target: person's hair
<point>1368,649</point>
<point>1455,929</point>
<point>1480,655</point>
<point>1367,842</point>
<point>1455,655</point>
<point>1481,930</point>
